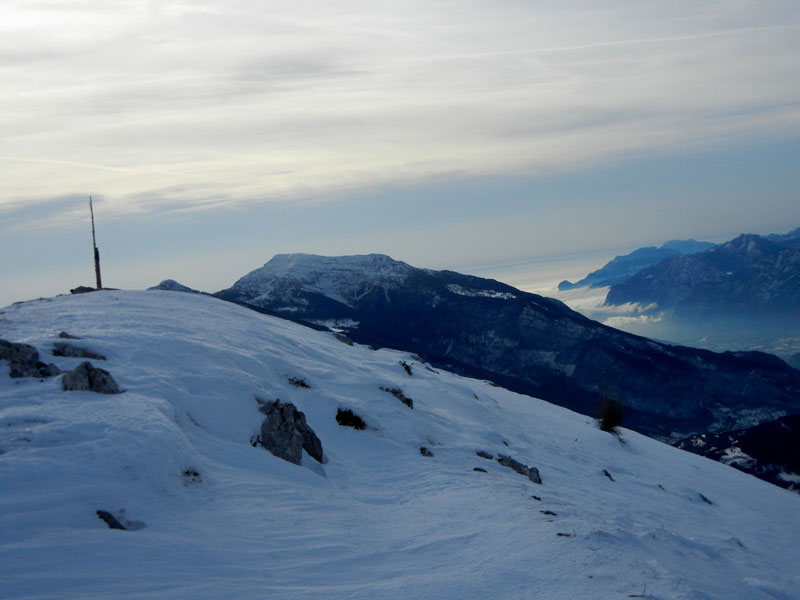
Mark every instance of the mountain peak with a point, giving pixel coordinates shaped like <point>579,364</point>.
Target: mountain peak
<point>340,278</point>
<point>173,286</point>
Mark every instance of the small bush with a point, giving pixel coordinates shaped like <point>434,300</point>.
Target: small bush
<point>610,413</point>
<point>347,418</point>
<point>297,382</point>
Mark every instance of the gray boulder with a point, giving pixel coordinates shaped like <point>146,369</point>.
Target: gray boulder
<point>62,349</point>
<point>23,361</point>
<point>87,377</point>
<point>531,473</point>
<point>286,434</point>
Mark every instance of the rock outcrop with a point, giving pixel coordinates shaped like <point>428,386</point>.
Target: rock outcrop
<point>531,473</point>
<point>87,377</point>
<point>23,361</point>
<point>68,350</point>
<point>285,433</point>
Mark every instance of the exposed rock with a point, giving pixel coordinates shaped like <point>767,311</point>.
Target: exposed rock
<point>549,513</point>
<point>425,452</point>
<point>87,377</point>
<point>297,382</point>
<point>119,521</point>
<point>66,336</point>
<point>23,361</point>
<point>479,469</point>
<point>61,349</point>
<point>531,473</point>
<point>398,393</point>
<point>607,474</point>
<point>82,289</point>
<point>110,520</point>
<point>347,418</point>
<point>343,338</point>
<point>485,455</point>
<point>286,434</point>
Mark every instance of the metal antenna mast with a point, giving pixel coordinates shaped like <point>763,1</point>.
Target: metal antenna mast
<point>96,251</point>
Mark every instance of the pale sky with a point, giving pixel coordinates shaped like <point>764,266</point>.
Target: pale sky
<point>214,135</point>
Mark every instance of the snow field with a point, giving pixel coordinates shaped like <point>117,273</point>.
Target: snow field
<point>377,520</point>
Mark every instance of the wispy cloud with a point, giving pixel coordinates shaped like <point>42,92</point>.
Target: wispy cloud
<point>181,106</point>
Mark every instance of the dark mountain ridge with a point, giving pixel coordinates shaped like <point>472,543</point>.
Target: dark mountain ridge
<point>525,342</point>
<point>769,451</point>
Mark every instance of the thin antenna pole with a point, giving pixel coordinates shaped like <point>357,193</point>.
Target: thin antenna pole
<point>96,251</point>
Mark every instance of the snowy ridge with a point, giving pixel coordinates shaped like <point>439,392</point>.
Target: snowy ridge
<point>340,278</point>
<point>215,517</point>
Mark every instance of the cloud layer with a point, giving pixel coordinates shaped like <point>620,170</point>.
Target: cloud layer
<point>176,105</point>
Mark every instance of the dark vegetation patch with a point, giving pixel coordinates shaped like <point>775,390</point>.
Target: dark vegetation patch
<point>297,382</point>
<point>610,413</point>
<point>347,418</point>
<point>191,476</point>
<point>398,393</point>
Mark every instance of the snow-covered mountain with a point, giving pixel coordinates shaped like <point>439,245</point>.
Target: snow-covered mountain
<point>525,342</point>
<point>209,513</point>
<point>344,279</point>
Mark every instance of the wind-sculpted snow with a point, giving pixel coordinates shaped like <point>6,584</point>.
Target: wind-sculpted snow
<point>208,515</point>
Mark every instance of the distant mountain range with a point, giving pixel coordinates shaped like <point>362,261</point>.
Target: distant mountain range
<point>749,276</point>
<point>485,329</point>
<point>622,267</point>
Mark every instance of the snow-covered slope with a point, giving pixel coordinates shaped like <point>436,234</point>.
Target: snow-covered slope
<point>212,516</point>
